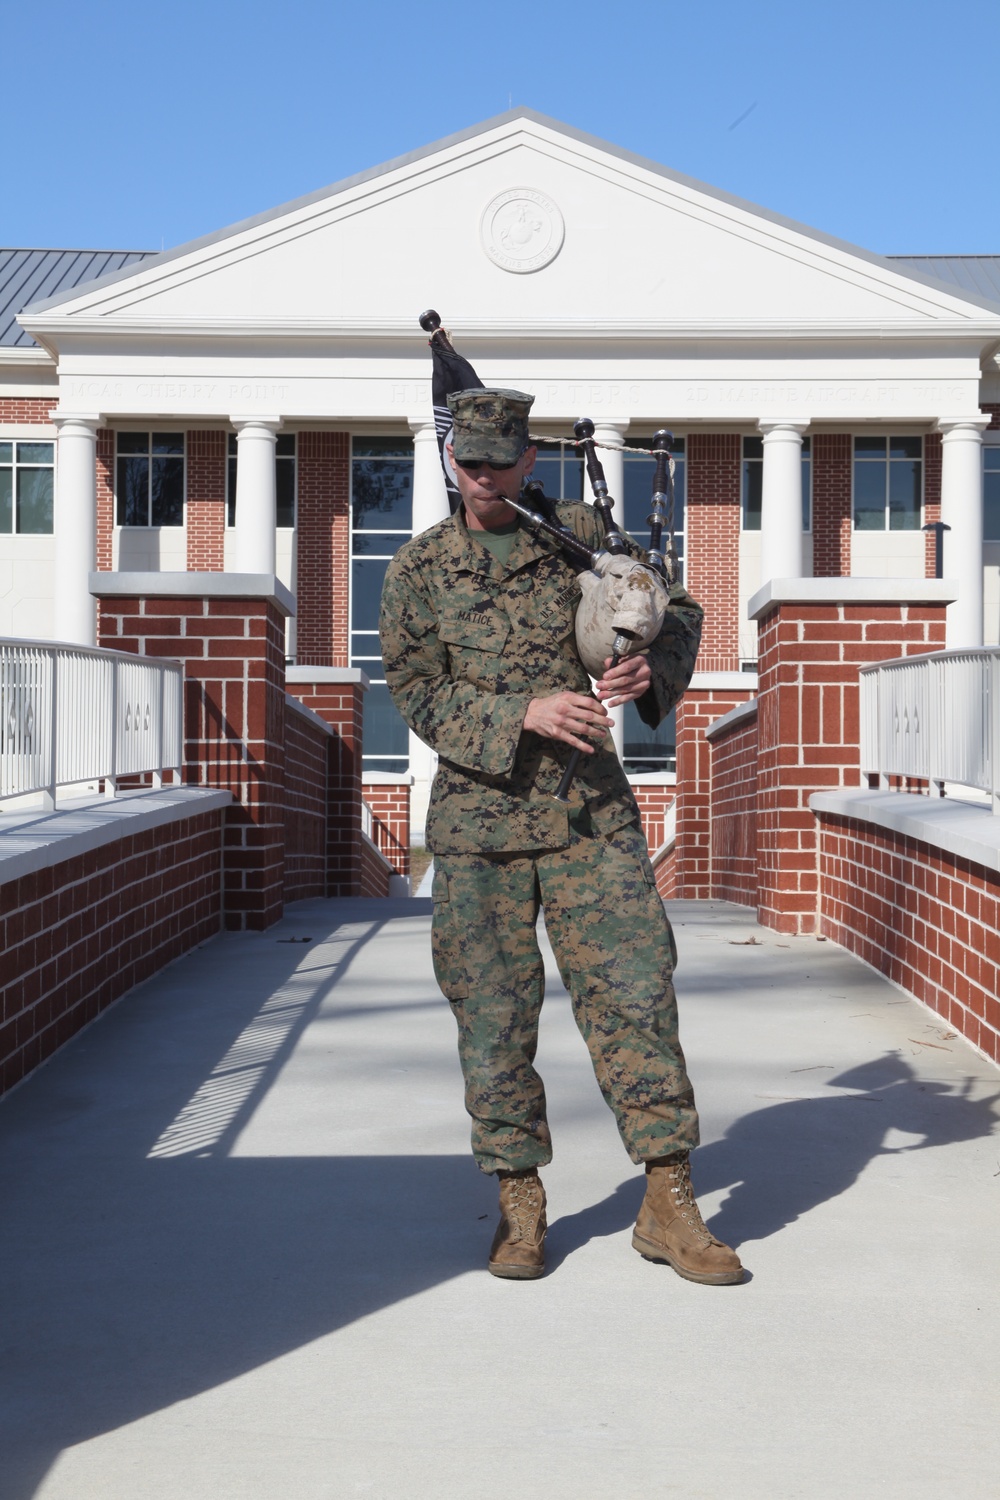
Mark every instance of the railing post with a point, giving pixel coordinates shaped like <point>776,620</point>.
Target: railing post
<point>994,732</point>
<point>158,774</point>
<point>49,795</point>
<point>111,782</point>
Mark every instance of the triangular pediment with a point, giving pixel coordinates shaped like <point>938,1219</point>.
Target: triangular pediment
<point>520,224</point>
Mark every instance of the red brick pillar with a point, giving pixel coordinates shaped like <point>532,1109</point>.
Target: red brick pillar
<point>337,695</point>
<point>812,642</point>
<point>206,501</point>
<point>832,460</point>
<point>710,695</point>
<point>229,631</point>
<point>712,544</point>
<point>323,543</point>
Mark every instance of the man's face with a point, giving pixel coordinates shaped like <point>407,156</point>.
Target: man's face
<point>485,491</point>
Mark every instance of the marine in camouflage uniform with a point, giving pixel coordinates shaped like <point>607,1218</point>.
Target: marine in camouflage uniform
<point>470,642</point>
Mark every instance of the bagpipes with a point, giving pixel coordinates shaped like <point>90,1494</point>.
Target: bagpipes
<point>624,599</point>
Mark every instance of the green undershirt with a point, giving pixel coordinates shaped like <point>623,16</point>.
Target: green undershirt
<point>499,542</point>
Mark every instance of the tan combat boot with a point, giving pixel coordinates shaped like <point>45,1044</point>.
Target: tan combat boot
<point>670,1227</point>
<point>518,1249</point>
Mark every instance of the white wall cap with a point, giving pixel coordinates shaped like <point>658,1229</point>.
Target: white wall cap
<point>653,778</point>
<point>328,675</point>
<point>724,682</point>
<point>309,713</point>
<point>735,716</point>
<point>37,841</point>
<point>193,586</point>
<point>386,778</point>
<point>851,591</point>
<point>964,829</point>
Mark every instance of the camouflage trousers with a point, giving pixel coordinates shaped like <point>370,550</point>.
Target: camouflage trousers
<point>616,955</point>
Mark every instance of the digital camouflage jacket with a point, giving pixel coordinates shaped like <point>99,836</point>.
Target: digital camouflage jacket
<point>467,642</point>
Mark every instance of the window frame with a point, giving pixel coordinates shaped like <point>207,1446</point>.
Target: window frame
<point>887,437</point>
<point>991,445</point>
<point>150,525</point>
<point>370,762</point>
<point>15,466</point>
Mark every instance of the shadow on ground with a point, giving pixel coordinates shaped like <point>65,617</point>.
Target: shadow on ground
<point>781,1161</point>
<point>144,1263</point>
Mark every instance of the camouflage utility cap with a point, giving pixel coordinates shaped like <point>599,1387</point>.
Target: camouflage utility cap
<point>490,425</point>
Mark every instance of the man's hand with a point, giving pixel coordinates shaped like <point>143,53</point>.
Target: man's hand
<point>569,717</point>
<point>626,682</point>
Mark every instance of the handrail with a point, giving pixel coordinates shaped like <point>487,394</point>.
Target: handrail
<point>71,714</point>
<point>934,717</point>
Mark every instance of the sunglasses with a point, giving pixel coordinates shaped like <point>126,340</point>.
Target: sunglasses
<point>473,465</point>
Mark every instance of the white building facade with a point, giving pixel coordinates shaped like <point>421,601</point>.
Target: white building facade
<point>259,401</point>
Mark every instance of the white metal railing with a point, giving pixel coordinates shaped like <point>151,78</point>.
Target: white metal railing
<point>71,714</point>
<point>367,821</point>
<point>936,717</point>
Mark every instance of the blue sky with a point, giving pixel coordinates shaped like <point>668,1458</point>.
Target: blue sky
<point>131,125</point>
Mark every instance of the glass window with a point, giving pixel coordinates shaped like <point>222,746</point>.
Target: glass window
<point>888,483</point>
<point>991,494</point>
<point>559,469</point>
<point>149,479</point>
<point>648,749</point>
<point>382,520</point>
<point>26,488</point>
<point>284,481</point>
<point>753,482</point>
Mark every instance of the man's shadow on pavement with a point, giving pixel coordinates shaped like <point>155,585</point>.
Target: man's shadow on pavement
<point>785,1159</point>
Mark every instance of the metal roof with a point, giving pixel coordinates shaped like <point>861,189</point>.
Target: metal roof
<point>28,275</point>
<point>973,273</point>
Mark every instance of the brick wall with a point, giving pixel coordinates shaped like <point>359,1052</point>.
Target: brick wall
<point>340,705</point>
<point>28,408</point>
<point>374,871</point>
<point>932,496</point>
<point>234,723</point>
<point>927,919</point>
<point>308,748</point>
<point>712,544</point>
<point>206,501</point>
<point>734,813</point>
<point>323,544</point>
<point>78,935</point>
<point>809,730</point>
<point>654,804</point>
<point>691,874</point>
<point>390,805</point>
<point>831,481</point>
<point>993,408</point>
<point>105,499</point>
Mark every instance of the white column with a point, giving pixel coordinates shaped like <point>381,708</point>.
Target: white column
<point>962,510</point>
<point>781,500</point>
<point>430,497</point>
<point>255,493</point>
<point>613,463</point>
<point>75,526</point>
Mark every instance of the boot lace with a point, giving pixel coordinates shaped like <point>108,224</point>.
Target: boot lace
<point>679,1178</point>
<point>523,1205</point>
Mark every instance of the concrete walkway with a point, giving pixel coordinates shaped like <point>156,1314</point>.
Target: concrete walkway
<point>242,1244</point>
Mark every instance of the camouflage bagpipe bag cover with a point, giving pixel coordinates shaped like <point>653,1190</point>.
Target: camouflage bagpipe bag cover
<point>621,597</point>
